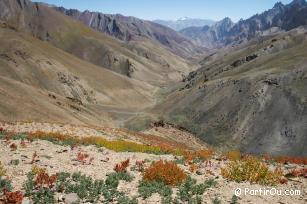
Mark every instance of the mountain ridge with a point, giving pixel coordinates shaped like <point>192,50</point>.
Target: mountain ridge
<point>281,17</point>
<point>127,28</point>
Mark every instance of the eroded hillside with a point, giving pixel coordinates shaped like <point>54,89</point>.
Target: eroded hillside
<point>251,96</point>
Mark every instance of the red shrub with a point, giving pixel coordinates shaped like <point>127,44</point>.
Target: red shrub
<point>122,167</point>
<point>13,197</point>
<point>44,180</point>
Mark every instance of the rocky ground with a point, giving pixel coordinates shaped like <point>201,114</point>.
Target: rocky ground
<point>100,163</point>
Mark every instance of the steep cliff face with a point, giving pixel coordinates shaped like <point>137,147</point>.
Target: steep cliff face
<point>280,17</point>
<point>127,28</point>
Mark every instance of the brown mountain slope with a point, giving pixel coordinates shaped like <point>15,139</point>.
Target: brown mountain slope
<point>40,82</point>
<point>141,62</point>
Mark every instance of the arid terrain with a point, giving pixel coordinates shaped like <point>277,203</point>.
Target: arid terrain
<point>107,108</point>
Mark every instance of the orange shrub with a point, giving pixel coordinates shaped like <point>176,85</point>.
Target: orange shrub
<point>166,172</point>
<point>122,167</point>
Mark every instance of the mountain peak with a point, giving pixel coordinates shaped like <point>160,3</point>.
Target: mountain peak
<point>183,18</point>
<point>278,5</point>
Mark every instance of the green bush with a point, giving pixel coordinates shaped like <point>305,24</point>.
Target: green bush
<point>147,188</point>
<point>5,184</point>
<point>190,191</point>
<point>93,190</point>
<point>39,195</point>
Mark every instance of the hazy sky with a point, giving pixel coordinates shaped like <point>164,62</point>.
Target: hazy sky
<point>173,9</point>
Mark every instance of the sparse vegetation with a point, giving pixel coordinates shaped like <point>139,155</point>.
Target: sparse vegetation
<point>165,171</point>
<point>116,145</point>
<point>252,169</point>
<point>147,188</point>
<point>2,170</point>
<point>5,184</point>
<point>191,192</point>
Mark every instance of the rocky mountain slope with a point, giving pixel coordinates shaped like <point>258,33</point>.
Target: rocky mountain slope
<point>129,28</point>
<point>209,36</point>
<point>43,83</point>
<point>279,18</point>
<point>185,22</point>
<point>251,96</point>
<point>145,61</point>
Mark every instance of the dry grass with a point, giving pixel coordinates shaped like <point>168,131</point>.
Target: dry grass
<point>253,170</point>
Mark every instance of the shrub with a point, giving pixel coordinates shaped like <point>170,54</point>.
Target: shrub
<point>122,167</point>
<point>166,172</point>
<point>216,201</point>
<point>14,162</point>
<point>84,158</point>
<point>13,197</point>
<point>38,187</point>
<point>251,169</point>
<point>44,180</point>
<point>36,170</point>
<point>234,199</point>
<point>2,170</point>
<point>114,178</point>
<point>191,192</point>
<point>147,188</point>
<point>5,184</point>
<point>92,190</point>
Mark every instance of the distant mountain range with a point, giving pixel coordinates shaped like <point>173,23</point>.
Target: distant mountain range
<point>279,18</point>
<point>185,22</point>
<point>127,28</point>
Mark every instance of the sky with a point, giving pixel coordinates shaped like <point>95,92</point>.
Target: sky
<point>172,9</point>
